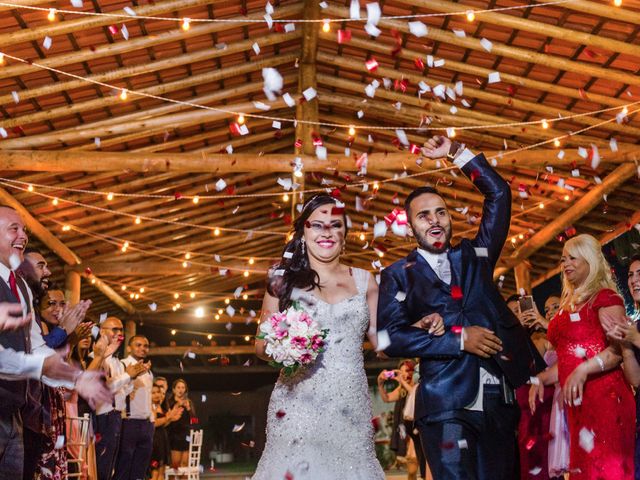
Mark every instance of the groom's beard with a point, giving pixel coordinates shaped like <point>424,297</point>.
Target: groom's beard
<point>436,247</point>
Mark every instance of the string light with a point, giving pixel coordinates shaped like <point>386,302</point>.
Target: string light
<point>545,124</point>
<point>137,296</point>
<point>246,273</point>
<point>66,228</point>
<point>30,188</point>
<point>513,240</point>
<point>217,317</point>
<point>352,131</point>
<point>123,94</point>
<point>110,196</point>
<point>138,221</point>
<point>192,295</point>
<point>216,232</point>
<point>470,15</point>
<point>227,301</point>
<point>541,206</point>
<point>55,202</point>
<point>521,236</point>
<point>51,16</point>
<point>176,296</point>
<point>196,199</point>
<point>186,24</point>
<point>247,338</point>
<point>451,132</point>
<point>173,331</point>
<point>285,197</point>
<point>617,3</point>
<point>1,58</point>
<point>625,110</point>
<point>93,281</point>
<point>245,296</point>
<point>556,142</point>
<point>187,256</point>
<point>326,26</point>
<point>199,312</point>
<point>123,288</point>
<point>131,295</point>
<point>141,289</point>
<point>251,261</point>
<point>566,198</point>
<point>209,337</point>
<point>362,237</point>
<point>220,311</point>
<point>240,119</point>
<point>185,264</point>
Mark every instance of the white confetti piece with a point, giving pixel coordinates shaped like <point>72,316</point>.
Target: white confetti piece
<point>379,229</point>
<point>486,44</point>
<point>130,11</point>
<point>595,156</point>
<point>459,88</point>
<point>399,230</point>
<point>586,439</point>
<point>373,13</point>
<point>481,251</point>
<point>59,442</point>
<point>400,296</point>
<point>103,317</point>
<point>360,113</point>
<point>273,82</point>
<point>439,91</point>
<point>256,48</point>
<point>383,340</point>
<point>324,5</point>
<point>580,352</point>
<point>204,398</point>
<point>453,110</point>
<point>451,132</point>
<point>459,33</point>
<point>221,185</point>
<point>575,172</point>
<point>269,20</point>
<point>583,152</point>
<point>191,355</point>
<point>597,180</point>
<point>14,261</point>
<point>465,103</point>
<point>439,63</point>
<point>77,3</point>
<point>228,326</point>
<point>95,330</point>
<point>288,99</point>
<point>3,133</point>
<point>229,149</point>
<point>238,428</point>
<point>230,310</point>
<point>372,30</point>
<point>153,307</point>
<point>402,137</point>
<point>534,380</point>
<point>46,43</point>
<point>494,77</point>
<point>561,154</point>
<point>462,444</point>
<point>96,141</point>
<point>321,152</point>
<point>309,94</point>
<point>354,10</point>
<point>16,97</point>
<point>289,27</point>
<point>418,29</point>
<point>124,31</point>
<point>613,145</point>
<point>268,8</point>
<point>370,91</point>
<point>285,183</point>
<point>535,471</point>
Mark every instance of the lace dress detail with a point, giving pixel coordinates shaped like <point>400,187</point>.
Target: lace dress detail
<point>319,421</point>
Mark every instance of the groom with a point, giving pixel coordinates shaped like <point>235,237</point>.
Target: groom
<point>465,407</point>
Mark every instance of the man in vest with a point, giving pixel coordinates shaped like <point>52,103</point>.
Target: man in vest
<point>24,349</point>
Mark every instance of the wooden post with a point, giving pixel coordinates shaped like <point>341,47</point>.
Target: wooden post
<point>72,287</point>
<point>129,331</point>
<point>522,273</point>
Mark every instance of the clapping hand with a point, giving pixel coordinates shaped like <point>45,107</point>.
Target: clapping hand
<point>92,388</point>
<point>136,369</point>
<point>11,316</point>
<point>175,413</point>
<point>436,147</point>
<point>433,323</point>
<point>73,315</point>
<point>83,330</point>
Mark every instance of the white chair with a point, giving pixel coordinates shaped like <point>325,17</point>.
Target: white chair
<point>192,470</point>
<point>78,442</point>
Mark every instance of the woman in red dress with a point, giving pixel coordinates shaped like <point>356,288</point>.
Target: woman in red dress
<point>599,401</point>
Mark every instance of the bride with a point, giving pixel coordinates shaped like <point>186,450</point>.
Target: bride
<point>319,420</point>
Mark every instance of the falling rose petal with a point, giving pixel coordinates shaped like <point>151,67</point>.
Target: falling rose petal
<point>456,292</point>
<point>383,340</point>
<point>238,428</point>
<point>586,439</point>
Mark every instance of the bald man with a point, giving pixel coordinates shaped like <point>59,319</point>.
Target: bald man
<point>120,382</point>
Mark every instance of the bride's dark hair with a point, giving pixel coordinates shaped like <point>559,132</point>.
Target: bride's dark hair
<point>296,270</point>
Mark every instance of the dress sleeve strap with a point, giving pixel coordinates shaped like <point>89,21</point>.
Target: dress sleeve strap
<point>607,298</point>
<point>361,278</point>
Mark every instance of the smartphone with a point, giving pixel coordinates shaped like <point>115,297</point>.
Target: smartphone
<point>389,374</point>
<point>525,303</point>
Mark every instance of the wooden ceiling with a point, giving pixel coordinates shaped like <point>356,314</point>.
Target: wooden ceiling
<point>74,139</point>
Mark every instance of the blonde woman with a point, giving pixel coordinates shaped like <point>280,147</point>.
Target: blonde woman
<point>598,400</point>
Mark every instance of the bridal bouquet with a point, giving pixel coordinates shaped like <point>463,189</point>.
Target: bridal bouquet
<point>292,338</point>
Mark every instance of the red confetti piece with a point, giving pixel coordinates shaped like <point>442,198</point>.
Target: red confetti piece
<point>456,292</point>
<point>88,271</point>
<point>335,193</point>
<point>337,211</point>
<point>475,174</point>
<point>398,40</point>
<point>447,445</point>
<point>511,90</point>
<point>286,219</point>
<point>288,476</point>
<point>177,195</point>
<point>278,27</point>
<point>235,129</point>
<point>317,142</point>
<point>457,329</point>
<point>590,53</point>
<point>344,36</point>
<point>570,231</point>
<point>280,413</point>
<point>530,443</point>
<point>98,437</point>
<point>113,29</point>
<point>371,64</point>
<point>415,149</point>
<point>401,85</point>
<point>298,143</point>
<point>17,130</point>
<point>419,63</point>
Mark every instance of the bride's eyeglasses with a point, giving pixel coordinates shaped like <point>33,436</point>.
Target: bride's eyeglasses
<point>319,227</point>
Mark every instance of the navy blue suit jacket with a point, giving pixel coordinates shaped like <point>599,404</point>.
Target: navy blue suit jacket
<point>450,376</point>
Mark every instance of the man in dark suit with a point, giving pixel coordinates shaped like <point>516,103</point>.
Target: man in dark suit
<point>465,407</point>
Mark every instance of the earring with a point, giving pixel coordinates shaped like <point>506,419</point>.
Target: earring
<point>302,246</point>
<point>344,248</point>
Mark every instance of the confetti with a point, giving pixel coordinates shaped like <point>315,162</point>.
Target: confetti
<point>46,43</point>
<point>580,352</point>
<point>494,77</point>
<point>309,94</point>
<point>534,380</point>
<point>586,439</point>
<point>230,310</point>
<point>535,471</point>
<point>371,64</point>
<point>613,145</point>
<point>354,10</point>
<point>221,185</point>
<point>153,307</point>
<point>574,316</point>
<point>372,30</point>
<point>459,33</point>
<point>59,442</point>
<point>379,229</point>
<point>124,31</point>
<point>373,13</point>
<point>486,44</point>
<point>256,48</point>
<point>204,398</point>
<point>95,330</point>
<point>130,11</point>
<point>16,97</point>
<point>481,251</point>
<point>77,3</point>
<point>228,326</point>
<point>383,340</point>
<point>456,292</point>
<point>418,29</point>
<point>288,99</point>
<point>462,444</point>
<point>595,157</point>
<point>400,296</point>
<point>238,428</point>
<point>3,133</point>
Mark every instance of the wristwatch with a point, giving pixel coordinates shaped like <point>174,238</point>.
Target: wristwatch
<point>454,150</point>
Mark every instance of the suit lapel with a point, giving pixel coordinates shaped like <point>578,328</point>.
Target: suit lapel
<point>422,267</point>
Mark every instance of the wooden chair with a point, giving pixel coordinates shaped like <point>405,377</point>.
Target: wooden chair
<point>192,470</point>
<point>78,445</point>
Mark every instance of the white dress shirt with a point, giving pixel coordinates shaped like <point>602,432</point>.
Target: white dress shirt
<point>140,404</point>
<point>120,384</point>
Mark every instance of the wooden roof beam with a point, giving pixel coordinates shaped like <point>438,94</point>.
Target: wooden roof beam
<point>67,161</point>
<point>501,49</point>
<point>538,28</point>
<point>140,43</point>
<point>162,267</point>
<point>578,210</point>
<point>57,247</point>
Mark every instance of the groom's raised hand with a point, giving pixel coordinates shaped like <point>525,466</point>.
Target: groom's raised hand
<point>436,147</point>
<point>480,341</point>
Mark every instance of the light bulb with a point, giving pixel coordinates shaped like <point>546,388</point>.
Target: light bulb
<point>246,273</point>
<point>362,237</point>
<point>566,198</point>
<point>137,221</point>
<point>187,256</point>
<point>217,317</point>
<point>240,119</point>
<point>251,261</point>
<point>326,26</point>
<point>352,131</point>
<point>173,331</point>
<point>617,3</point>
<point>66,228</point>
<point>220,311</point>
<point>199,312</point>
<point>141,289</point>
<point>226,301</point>
<point>176,296</point>
<point>192,295</point>
<point>471,16</point>
<point>209,337</point>
<point>137,296</point>
<point>93,281</point>
<point>245,296</point>
<point>247,338</point>
<point>110,196</point>
<point>54,202</point>
<point>30,188</point>
<point>123,94</point>
<point>285,197</point>
<point>196,199</point>
<point>1,58</point>
<point>124,288</point>
<point>541,205</point>
<point>545,124</point>
<point>216,232</point>
<point>51,16</point>
<point>186,24</point>
<point>556,142</point>
<point>185,264</point>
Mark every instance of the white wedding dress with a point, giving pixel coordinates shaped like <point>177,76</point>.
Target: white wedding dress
<point>319,421</point>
